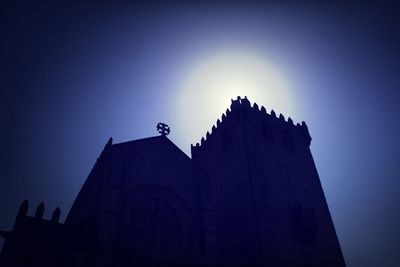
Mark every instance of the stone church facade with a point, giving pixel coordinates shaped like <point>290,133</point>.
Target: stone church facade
<point>249,196</point>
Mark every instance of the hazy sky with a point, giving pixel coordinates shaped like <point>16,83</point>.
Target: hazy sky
<point>75,74</point>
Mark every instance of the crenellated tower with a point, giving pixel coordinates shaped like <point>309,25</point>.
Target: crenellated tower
<point>250,196</point>
<point>263,204</point>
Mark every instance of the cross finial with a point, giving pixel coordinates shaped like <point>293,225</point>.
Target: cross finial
<point>163,129</point>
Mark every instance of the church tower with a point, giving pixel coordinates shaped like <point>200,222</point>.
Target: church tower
<point>250,196</point>
<point>263,204</point>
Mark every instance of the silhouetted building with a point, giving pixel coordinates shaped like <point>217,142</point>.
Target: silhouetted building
<point>250,196</point>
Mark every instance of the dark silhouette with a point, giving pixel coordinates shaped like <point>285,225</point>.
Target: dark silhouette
<point>250,196</point>
<point>163,128</point>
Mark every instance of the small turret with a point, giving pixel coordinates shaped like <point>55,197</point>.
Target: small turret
<point>255,106</point>
<point>55,217</point>
<point>223,117</point>
<point>263,110</point>
<point>245,102</point>
<point>39,211</point>
<point>110,141</point>
<point>306,134</point>
<point>23,209</point>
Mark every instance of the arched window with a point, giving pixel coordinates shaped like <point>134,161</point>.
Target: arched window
<point>155,223</point>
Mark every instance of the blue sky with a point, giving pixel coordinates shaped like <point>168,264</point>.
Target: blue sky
<point>76,74</point>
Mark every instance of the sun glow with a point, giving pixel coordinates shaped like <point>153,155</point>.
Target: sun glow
<point>211,84</point>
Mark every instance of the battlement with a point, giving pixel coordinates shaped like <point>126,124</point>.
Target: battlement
<point>241,109</point>
<point>39,212</point>
<point>37,224</point>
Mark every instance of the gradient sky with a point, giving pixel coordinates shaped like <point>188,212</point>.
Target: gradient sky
<point>75,74</point>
